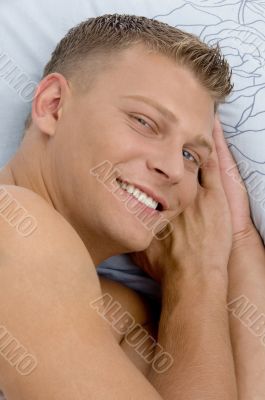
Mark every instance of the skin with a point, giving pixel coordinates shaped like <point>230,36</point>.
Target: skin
<point>176,179</point>
<point>57,149</point>
<point>246,278</point>
<point>107,129</point>
<point>50,176</point>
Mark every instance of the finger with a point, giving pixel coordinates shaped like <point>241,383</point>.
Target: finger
<point>227,164</point>
<point>210,177</point>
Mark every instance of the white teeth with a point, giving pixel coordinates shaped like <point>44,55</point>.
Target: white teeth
<point>141,196</point>
<point>129,188</point>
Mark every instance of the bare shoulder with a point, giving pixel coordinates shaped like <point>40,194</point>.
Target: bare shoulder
<point>25,217</point>
<point>39,247</point>
<point>53,344</point>
<point>32,230</point>
<point>45,273</point>
<point>24,211</point>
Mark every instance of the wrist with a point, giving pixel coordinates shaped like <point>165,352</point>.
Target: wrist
<point>247,256</point>
<point>208,280</point>
<point>199,270</point>
<point>246,238</point>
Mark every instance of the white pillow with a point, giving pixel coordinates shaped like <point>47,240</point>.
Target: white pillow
<point>30,29</point>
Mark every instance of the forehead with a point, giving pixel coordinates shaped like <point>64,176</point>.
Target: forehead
<point>138,68</point>
<point>140,64</point>
<point>137,71</point>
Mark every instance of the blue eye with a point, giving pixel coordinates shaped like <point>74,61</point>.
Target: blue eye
<point>190,156</point>
<point>142,122</point>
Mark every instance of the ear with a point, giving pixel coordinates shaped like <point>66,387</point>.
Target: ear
<point>48,101</point>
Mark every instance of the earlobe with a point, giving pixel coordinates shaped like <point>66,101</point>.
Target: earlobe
<point>48,102</point>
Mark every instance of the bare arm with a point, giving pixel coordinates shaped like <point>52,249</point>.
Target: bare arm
<point>47,282</point>
<point>194,329</point>
<point>246,303</point>
<point>246,294</point>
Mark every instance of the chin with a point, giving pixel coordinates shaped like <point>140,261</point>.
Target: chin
<point>129,233</point>
<point>139,242</point>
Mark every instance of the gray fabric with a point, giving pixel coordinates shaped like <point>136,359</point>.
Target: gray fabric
<point>122,269</point>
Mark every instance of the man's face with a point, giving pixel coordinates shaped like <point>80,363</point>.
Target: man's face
<point>143,117</point>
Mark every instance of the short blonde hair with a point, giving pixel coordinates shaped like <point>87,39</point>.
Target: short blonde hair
<point>87,48</point>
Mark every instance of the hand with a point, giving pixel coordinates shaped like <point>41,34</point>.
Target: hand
<point>233,186</point>
<point>201,236</point>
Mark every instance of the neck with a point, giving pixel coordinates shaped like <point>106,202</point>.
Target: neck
<point>28,170</point>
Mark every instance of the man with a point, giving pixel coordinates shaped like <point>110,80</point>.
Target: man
<point>125,112</point>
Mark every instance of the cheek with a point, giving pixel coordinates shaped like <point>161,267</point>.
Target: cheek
<point>188,191</point>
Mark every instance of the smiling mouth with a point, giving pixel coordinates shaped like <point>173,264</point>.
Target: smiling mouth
<point>141,196</point>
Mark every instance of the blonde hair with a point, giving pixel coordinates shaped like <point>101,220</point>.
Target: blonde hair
<point>87,48</point>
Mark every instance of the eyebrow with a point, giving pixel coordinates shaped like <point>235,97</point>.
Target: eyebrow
<point>199,139</point>
<point>202,142</point>
<point>164,111</point>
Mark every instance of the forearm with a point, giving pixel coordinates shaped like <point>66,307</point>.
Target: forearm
<point>246,302</point>
<point>194,329</point>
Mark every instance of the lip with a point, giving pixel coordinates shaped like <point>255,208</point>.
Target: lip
<point>148,191</point>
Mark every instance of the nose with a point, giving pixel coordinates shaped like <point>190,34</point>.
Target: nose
<point>169,164</point>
